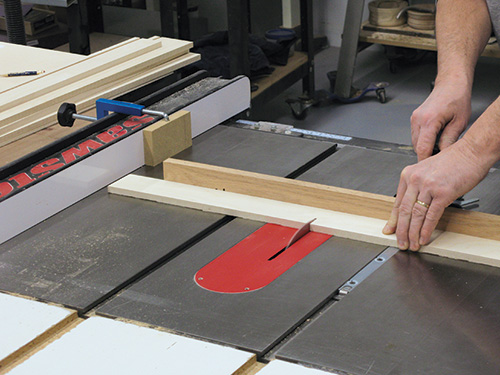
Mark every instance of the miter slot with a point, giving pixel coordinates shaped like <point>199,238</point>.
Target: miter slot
<point>365,272</point>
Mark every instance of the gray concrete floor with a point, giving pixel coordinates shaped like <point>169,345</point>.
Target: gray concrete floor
<point>390,122</point>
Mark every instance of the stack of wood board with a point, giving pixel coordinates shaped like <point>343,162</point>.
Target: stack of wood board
<point>32,105</point>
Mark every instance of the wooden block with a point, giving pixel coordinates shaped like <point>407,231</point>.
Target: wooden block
<point>25,325</point>
<point>108,346</point>
<point>361,228</point>
<point>164,138</point>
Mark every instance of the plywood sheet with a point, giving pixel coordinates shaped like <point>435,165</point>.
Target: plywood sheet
<point>278,367</point>
<point>110,73</point>
<point>50,82</point>
<point>103,346</point>
<point>24,321</point>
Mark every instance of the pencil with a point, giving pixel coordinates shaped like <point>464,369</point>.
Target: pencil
<point>26,73</point>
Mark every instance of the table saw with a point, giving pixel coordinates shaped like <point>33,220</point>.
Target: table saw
<point>347,307</point>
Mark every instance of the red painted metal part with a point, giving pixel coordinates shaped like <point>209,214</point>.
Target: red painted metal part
<point>246,266</point>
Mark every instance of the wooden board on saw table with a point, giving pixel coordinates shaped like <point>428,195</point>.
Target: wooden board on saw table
<point>321,196</point>
<point>106,346</point>
<point>363,228</point>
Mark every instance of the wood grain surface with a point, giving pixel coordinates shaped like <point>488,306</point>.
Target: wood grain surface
<point>321,196</point>
<point>165,138</point>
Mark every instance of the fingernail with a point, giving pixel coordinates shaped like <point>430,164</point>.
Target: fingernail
<point>386,229</point>
<point>414,247</point>
<point>403,245</point>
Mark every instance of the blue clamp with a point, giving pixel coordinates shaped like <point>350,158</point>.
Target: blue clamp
<point>104,106</point>
<point>66,115</point>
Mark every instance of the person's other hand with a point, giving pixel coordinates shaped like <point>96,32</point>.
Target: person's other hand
<point>447,108</point>
<point>427,188</point>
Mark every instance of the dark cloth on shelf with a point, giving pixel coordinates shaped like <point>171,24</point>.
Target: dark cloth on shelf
<point>214,51</point>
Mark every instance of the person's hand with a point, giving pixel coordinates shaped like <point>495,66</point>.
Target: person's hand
<point>447,108</point>
<point>428,187</point>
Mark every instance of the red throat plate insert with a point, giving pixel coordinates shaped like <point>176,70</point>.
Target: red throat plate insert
<point>257,260</point>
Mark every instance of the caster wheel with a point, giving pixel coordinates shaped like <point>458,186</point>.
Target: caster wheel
<point>382,98</point>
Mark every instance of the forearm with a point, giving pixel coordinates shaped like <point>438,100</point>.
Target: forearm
<point>462,31</point>
<point>483,137</point>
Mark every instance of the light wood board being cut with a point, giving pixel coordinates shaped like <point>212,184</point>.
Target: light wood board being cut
<point>342,224</point>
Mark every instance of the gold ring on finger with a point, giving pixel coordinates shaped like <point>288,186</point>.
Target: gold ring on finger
<point>423,204</point>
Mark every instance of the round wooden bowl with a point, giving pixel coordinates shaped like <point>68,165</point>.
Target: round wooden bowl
<point>421,20</point>
<point>384,12</point>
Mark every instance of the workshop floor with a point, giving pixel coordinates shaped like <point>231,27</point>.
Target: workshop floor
<point>409,87</point>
